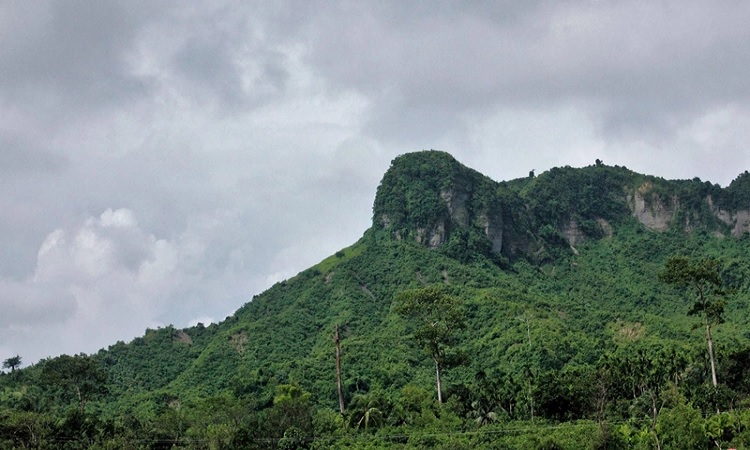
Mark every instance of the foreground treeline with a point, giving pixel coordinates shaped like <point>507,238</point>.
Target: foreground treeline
<point>644,396</point>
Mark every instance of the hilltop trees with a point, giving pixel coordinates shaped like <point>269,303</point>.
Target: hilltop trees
<point>12,363</point>
<point>436,317</point>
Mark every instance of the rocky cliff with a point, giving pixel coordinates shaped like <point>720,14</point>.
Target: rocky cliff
<point>688,211</point>
<point>431,198</point>
<point>434,200</point>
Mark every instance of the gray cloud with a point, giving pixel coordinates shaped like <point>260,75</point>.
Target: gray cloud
<point>26,305</point>
<point>231,62</point>
<point>19,158</point>
<point>638,66</point>
<point>61,61</point>
<point>166,161</point>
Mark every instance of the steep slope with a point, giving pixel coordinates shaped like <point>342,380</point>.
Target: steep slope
<point>430,198</point>
<point>436,221</point>
<point>570,338</point>
<point>555,271</point>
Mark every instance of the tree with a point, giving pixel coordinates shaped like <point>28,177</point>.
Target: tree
<point>292,407</point>
<point>339,384</point>
<point>80,374</point>
<point>294,439</point>
<point>704,278</point>
<point>366,411</point>
<point>216,421</point>
<point>437,316</point>
<point>648,372</point>
<point>12,363</point>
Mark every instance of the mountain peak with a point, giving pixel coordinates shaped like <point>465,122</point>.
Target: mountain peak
<point>430,198</point>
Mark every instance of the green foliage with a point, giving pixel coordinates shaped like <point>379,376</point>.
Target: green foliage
<point>409,195</point>
<point>583,195</point>
<point>682,427</point>
<point>570,348</point>
<point>739,191</point>
<point>429,197</point>
<point>435,314</point>
<point>12,363</point>
<point>294,439</point>
<point>704,278</point>
<point>366,411</point>
<point>437,317</point>
<point>76,378</point>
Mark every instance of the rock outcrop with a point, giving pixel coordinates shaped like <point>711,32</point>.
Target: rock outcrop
<point>654,213</point>
<point>658,213</point>
<point>431,198</point>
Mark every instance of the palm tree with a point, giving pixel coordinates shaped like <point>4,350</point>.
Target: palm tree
<point>366,411</point>
<point>482,412</point>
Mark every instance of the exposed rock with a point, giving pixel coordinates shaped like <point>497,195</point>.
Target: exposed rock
<point>367,291</point>
<point>492,224</point>
<point>573,232</point>
<point>456,201</point>
<point>182,336</point>
<point>433,238</point>
<point>739,221</point>
<point>385,220</point>
<point>238,341</point>
<point>606,227</point>
<point>438,236</point>
<point>429,197</point>
<point>654,214</point>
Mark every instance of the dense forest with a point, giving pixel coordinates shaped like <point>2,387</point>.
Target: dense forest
<point>579,308</point>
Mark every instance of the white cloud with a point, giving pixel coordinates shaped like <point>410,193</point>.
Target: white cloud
<point>102,281</point>
<point>241,143</point>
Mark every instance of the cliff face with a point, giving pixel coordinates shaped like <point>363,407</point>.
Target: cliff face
<point>656,214</point>
<point>662,212</point>
<point>431,198</point>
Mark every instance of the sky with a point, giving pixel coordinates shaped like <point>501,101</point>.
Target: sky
<point>163,162</point>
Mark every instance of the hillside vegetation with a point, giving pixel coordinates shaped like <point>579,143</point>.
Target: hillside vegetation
<point>569,336</point>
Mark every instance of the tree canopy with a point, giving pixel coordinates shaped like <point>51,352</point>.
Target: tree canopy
<point>12,363</point>
<point>703,277</point>
<point>436,318</point>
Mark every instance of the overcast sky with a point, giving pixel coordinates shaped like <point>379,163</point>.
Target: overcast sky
<point>163,162</point>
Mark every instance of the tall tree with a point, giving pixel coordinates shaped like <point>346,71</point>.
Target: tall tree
<point>12,363</point>
<point>292,408</point>
<point>704,278</point>
<point>339,384</point>
<point>436,317</point>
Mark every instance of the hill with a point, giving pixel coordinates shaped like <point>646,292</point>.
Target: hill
<point>570,338</point>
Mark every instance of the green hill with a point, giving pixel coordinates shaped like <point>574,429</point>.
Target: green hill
<point>571,339</point>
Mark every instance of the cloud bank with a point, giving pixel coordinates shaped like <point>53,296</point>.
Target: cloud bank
<point>161,163</point>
